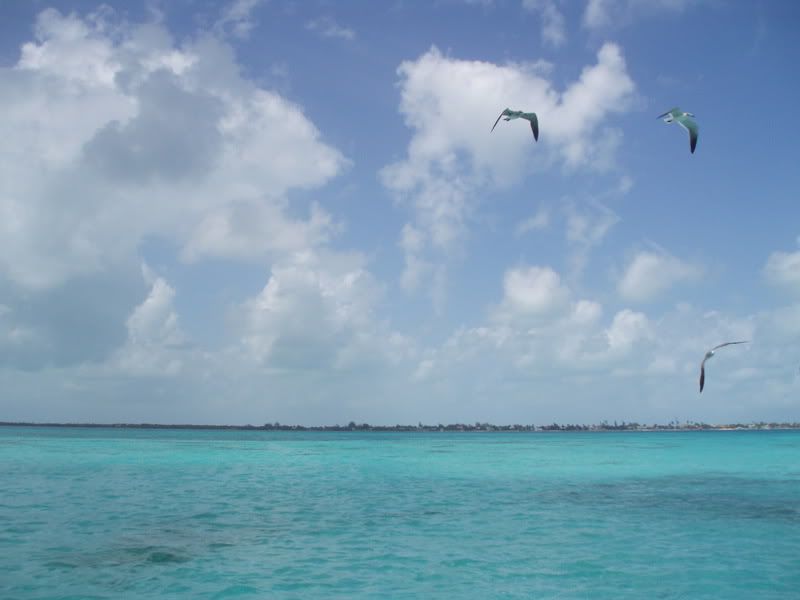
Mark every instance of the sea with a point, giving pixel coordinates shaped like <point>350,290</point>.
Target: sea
<point>172,513</point>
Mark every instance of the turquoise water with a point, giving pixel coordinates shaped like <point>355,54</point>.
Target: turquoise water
<point>109,513</point>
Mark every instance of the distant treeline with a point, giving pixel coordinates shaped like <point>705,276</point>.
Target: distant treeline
<point>353,426</point>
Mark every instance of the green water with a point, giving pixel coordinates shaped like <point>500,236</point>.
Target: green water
<point>110,513</point>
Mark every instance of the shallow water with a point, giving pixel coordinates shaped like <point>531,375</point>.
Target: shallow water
<point>111,513</point>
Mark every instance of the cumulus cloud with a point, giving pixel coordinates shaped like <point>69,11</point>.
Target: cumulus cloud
<point>113,132</point>
<point>81,320</point>
<point>154,336</point>
<point>627,328</point>
<point>441,97</point>
<point>538,329</point>
<point>318,311</point>
<point>450,159</point>
<point>154,143</point>
<point>652,273</point>
<point>257,230</point>
<point>530,339</point>
<point>532,291</point>
<point>541,324</point>
<point>535,326</point>
<point>570,362</point>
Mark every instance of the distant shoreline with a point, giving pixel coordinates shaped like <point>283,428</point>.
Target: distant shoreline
<point>458,427</point>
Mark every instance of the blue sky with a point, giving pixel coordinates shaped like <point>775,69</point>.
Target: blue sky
<point>263,211</point>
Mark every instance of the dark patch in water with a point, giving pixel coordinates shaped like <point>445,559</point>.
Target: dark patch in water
<point>205,515</point>
<point>117,557</point>
<point>710,497</point>
<point>157,554</point>
<point>219,545</point>
<point>162,557</point>
<point>60,564</point>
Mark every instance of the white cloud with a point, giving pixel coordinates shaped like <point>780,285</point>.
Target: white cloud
<point>537,324</point>
<point>329,28</point>
<point>135,136</point>
<point>783,269</point>
<point>536,331</point>
<point>443,98</point>
<point>317,312</point>
<point>576,353</point>
<point>650,274</point>
<point>451,157</point>
<point>254,230</point>
<point>586,312</point>
<point>553,30</point>
<point>154,335</point>
<point>154,320</point>
<point>627,328</point>
<point>533,291</point>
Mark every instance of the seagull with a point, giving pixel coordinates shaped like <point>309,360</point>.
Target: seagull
<point>708,355</point>
<point>682,119</point>
<point>518,114</point>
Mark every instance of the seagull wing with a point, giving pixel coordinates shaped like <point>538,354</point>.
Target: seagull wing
<point>730,343</point>
<point>690,126</point>
<point>505,112</point>
<point>702,376</point>
<point>534,126</point>
<point>671,111</point>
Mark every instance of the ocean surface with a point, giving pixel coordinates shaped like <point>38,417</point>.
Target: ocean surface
<point>113,513</point>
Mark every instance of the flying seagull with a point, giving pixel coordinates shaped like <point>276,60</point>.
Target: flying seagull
<point>708,355</point>
<point>518,114</point>
<point>682,119</point>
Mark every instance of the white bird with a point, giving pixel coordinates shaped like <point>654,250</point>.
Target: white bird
<point>708,355</point>
<point>682,118</point>
<point>509,114</point>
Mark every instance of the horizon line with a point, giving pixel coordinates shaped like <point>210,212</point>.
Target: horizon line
<point>477,426</point>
